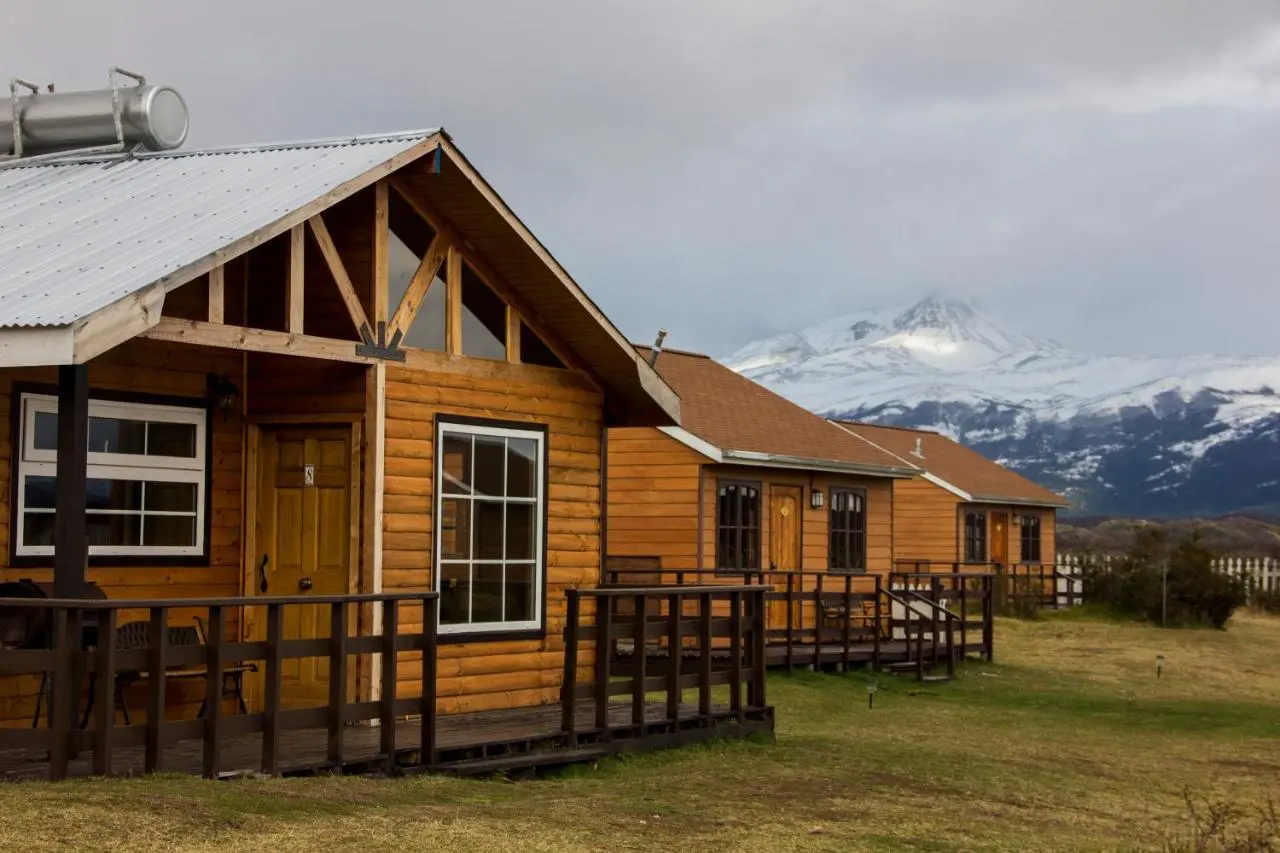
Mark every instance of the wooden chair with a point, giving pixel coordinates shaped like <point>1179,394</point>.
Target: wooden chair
<point>137,635</point>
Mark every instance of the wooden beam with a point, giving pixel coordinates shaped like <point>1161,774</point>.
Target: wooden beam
<point>453,302</point>
<point>297,277</point>
<point>121,320</point>
<point>217,294</point>
<point>513,335</point>
<point>411,302</point>
<point>70,533</point>
<point>339,272</point>
<point>381,234</point>
<point>375,433</point>
<point>486,273</point>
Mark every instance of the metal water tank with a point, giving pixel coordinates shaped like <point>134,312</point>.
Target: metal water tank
<point>154,117</point>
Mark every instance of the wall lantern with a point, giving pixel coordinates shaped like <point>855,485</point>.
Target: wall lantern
<point>815,499</point>
<point>223,393</point>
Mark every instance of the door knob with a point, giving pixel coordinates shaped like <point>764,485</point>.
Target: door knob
<point>304,584</point>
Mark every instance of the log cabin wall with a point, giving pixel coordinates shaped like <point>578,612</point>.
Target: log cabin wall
<point>653,498</point>
<point>926,522</point>
<point>814,528</point>
<point>497,673</point>
<point>141,368</point>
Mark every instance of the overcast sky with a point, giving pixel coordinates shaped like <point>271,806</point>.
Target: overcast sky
<point>1105,172</point>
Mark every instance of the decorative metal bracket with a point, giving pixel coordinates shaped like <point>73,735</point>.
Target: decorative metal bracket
<point>380,348</point>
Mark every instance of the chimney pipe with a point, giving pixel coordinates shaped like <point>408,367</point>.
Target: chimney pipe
<point>919,451</point>
<point>657,347</point>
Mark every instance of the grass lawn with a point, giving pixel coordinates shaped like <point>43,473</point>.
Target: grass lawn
<point>1069,742</point>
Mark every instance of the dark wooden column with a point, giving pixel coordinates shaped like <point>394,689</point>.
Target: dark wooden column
<point>70,539</point>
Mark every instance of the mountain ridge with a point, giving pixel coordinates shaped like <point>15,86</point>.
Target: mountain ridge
<point>1126,434</point>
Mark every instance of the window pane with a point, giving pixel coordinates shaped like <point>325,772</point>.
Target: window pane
<point>114,494</point>
<point>40,492</point>
<point>487,536</point>
<point>176,531</point>
<point>456,459</point>
<point>113,529</point>
<point>117,435</point>
<point>46,437</point>
<point>455,529</point>
<point>486,597</point>
<point>490,469</point>
<point>37,528</point>
<point>520,531</point>
<point>168,439</point>
<point>520,595</point>
<point>455,594</point>
<point>170,497</point>
<point>484,318</point>
<point>522,460</point>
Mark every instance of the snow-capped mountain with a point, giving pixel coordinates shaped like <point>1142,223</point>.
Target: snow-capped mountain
<point>1119,434</point>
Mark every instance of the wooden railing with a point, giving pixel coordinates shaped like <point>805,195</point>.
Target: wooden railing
<point>849,612</point>
<point>74,656</point>
<point>1019,587</point>
<point>706,636</point>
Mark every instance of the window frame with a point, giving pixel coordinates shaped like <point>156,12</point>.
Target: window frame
<point>983,536</point>
<point>28,399</point>
<point>861,494</point>
<point>722,483</point>
<point>472,632</point>
<point>1030,526</point>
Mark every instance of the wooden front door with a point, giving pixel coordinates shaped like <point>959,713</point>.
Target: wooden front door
<point>305,536</point>
<point>999,546</point>
<point>784,550</point>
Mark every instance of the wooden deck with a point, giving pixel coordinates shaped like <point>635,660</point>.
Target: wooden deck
<point>484,742</point>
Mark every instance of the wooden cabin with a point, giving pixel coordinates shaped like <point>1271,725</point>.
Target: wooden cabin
<point>341,369</point>
<point>964,508</point>
<point>748,481</point>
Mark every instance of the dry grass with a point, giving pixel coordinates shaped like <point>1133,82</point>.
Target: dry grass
<point>1069,743</point>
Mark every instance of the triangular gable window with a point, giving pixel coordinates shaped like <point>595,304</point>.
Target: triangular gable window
<point>406,246</point>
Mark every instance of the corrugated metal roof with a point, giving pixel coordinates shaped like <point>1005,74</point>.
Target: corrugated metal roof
<point>77,235</point>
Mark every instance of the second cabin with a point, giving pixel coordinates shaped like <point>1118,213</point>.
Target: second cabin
<point>749,482</point>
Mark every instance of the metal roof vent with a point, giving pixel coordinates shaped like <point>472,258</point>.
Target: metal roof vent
<point>657,347</point>
<point>919,451</point>
<point>43,125</point>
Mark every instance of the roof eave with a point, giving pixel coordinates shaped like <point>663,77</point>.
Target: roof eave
<point>1005,499</point>
<point>832,466</point>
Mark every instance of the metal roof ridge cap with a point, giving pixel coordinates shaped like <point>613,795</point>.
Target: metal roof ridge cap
<point>1006,499</point>
<point>810,462</point>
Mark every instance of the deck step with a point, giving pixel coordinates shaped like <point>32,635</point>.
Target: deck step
<point>483,766</point>
<point>935,679</point>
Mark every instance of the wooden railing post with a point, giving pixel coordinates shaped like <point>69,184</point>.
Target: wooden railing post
<point>964,618</point>
<point>760,618</point>
<point>914,610</point>
<point>704,655</point>
<point>387,688</point>
<point>935,591</point>
<point>848,619</point>
<point>273,680</point>
<point>673,659</point>
<point>604,642</point>
<point>211,756</point>
<point>430,639</point>
<point>337,680</point>
<point>817,622</point>
<point>791,604</point>
<point>104,688</point>
<point>569,683</point>
<point>951,647</point>
<point>60,707</point>
<point>876,626</point>
<point>988,617</point>
<point>735,654</point>
<point>157,646</point>
<point>639,659</point>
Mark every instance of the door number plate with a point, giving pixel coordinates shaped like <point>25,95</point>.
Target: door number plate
<point>308,475</point>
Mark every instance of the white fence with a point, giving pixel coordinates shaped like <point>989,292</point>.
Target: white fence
<point>1258,573</point>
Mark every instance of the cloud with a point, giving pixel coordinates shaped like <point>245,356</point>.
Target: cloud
<point>735,168</point>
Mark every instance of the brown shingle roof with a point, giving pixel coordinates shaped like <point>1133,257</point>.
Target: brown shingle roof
<point>728,410</point>
<point>966,469</point>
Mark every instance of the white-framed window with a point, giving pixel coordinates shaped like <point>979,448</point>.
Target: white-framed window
<point>489,509</point>
<point>146,478</point>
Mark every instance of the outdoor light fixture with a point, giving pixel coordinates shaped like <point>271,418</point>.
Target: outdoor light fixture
<point>815,499</point>
<point>1159,665</point>
<point>223,393</point>
<point>871,695</point>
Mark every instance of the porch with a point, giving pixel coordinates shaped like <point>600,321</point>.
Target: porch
<point>604,708</point>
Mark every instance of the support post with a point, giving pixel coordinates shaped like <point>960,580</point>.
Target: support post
<point>70,537</point>
<point>569,684</point>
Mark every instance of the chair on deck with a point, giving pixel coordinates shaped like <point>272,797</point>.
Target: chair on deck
<point>137,635</point>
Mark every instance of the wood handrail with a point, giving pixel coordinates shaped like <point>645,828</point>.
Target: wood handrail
<point>242,601</point>
<point>686,589</point>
